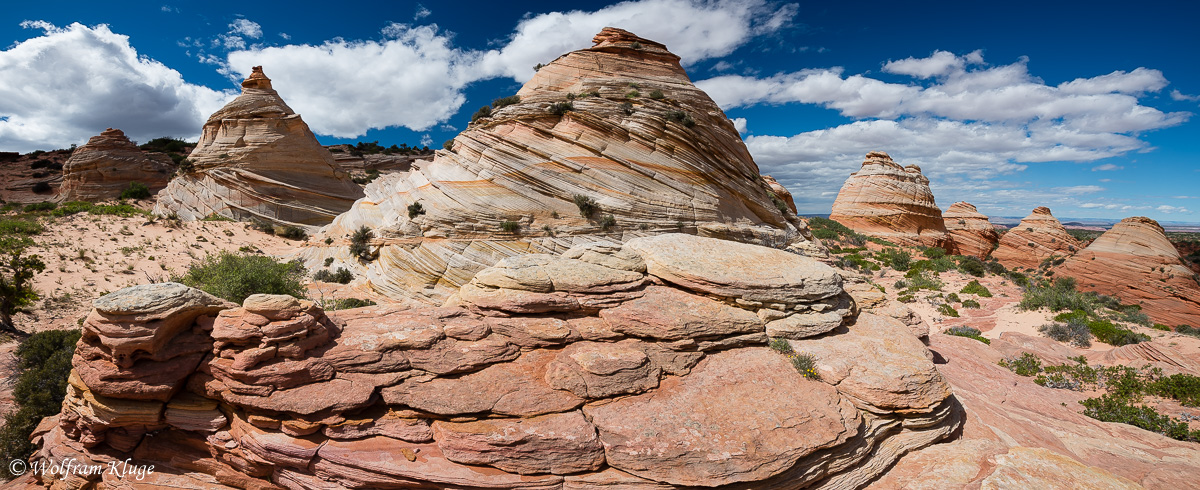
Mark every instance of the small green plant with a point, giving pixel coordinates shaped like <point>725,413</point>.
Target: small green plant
<point>1076,333</point>
<point>485,111</point>
<point>342,276</point>
<point>627,108</point>
<point>947,310</point>
<point>216,217</point>
<point>934,252</point>
<point>681,118</point>
<point>972,266</point>
<point>292,232</point>
<point>779,204</point>
<point>587,206</point>
<point>510,226</point>
<point>236,276</point>
<point>560,108</point>
<point>971,304</point>
<point>968,332</point>
<point>607,222</point>
<point>656,94</point>
<point>1159,326</point>
<point>781,346</point>
<point>977,289</point>
<point>636,45</point>
<point>895,258</point>
<point>43,364</point>
<point>359,246</point>
<point>347,303</point>
<point>328,261</point>
<point>448,145</point>
<point>805,364</point>
<point>16,285</point>
<point>506,101</point>
<point>136,191</point>
<point>40,206</point>
<point>1026,365</point>
<point>632,94</point>
<point>415,209</point>
<point>953,298</point>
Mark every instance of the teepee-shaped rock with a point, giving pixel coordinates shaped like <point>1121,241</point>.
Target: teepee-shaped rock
<point>1135,262</point>
<point>1038,237</point>
<point>970,230</point>
<point>107,164</point>
<point>602,145</point>
<point>257,160</point>
<point>887,201</point>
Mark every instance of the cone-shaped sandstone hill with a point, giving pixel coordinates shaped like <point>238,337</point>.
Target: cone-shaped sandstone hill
<point>604,144</point>
<point>887,201</point>
<point>1037,238</point>
<point>257,160</point>
<point>107,164</point>
<point>1135,262</point>
<point>970,231</point>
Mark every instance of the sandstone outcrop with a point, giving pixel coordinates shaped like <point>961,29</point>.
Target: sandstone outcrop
<point>970,231</point>
<point>107,164</point>
<point>605,144</point>
<point>781,192</point>
<point>591,369</point>
<point>257,160</point>
<point>887,201</point>
<point>1135,262</point>
<point>1038,237</point>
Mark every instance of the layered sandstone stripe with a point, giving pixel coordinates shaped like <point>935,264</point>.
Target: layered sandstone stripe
<point>1135,262</point>
<point>257,160</point>
<point>107,164</point>
<point>631,134</point>
<point>887,201</point>
<point>1039,236</point>
<point>970,231</point>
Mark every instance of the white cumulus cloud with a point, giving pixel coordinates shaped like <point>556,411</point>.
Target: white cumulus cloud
<point>72,82</point>
<point>245,27</point>
<point>1107,167</point>
<point>1165,209</point>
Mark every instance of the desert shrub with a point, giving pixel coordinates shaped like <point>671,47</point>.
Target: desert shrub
<point>1025,365</point>
<point>805,364</point>
<point>560,108</point>
<point>328,261</point>
<point>1111,334</point>
<point>972,266</point>
<point>995,267</point>
<point>947,310</point>
<point>1110,408</point>
<point>856,261</point>
<point>236,276</point>
<point>41,187</point>
<point>415,209</point>
<point>358,243</point>
<point>781,346</point>
<point>1159,326</point>
<point>779,204</point>
<point>968,332</point>
<point>1077,333</point>
<point>681,118</point>
<point>16,284</point>
<point>135,191</point>
<point>607,222</point>
<point>970,304</point>
<point>216,218</point>
<point>656,94</point>
<point>347,303</point>
<point>342,276</point>
<point>17,226</point>
<point>40,206</point>
<point>185,167</point>
<point>905,298</point>
<point>627,108</point>
<point>46,164</point>
<point>1057,296</point>
<point>922,280</point>
<point>485,111</point>
<point>934,252</point>
<point>292,232</point>
<point>632,94</point>
<point>953,298</point>
<point>895,258</point>
<point>165,144</point>
<point>370,176</point>
<point>977,289</point>
<point>510,226</point>
<point>587,206</point>
<point>1131,314</point>
<point>448,145</point>
<point>43,364</point>
<point>123,210</point>
<point>506,101</point>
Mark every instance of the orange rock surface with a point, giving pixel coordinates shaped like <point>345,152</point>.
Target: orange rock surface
<point>970,230</point>
<point>1038,237</point>
<point>107,164</point>
<point>891,202</point>
<point>1135,262</point>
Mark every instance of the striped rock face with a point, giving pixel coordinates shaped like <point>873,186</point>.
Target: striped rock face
<point>605,144</point>
<point>257,160</point>
<point>1135,262</point>
<point>1038,237</point>
<point>107,164</point>
<point>891,202</point>
<point>970,230</point>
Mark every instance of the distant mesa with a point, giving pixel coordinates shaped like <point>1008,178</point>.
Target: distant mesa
<point>603,144</point>
<point>970,231</point>
<point>257,160</point>
<point>1135,262</point>
<point>107,164</point>
<point>887,201</point>
<point>1038,237</point>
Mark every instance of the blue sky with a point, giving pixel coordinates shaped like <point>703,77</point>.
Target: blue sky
<point>1088,109</point>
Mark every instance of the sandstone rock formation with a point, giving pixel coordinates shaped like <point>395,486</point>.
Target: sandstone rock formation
<point>642,366</point>
<point>970,231</point>
<point>1135,262</point>
<point>105,166</point>
<point>257,160</point>
<point>781,192</point>
<point>605,144</point>
<point>1021,435</point>
<point>887,201</point>
<point>1038,237</point>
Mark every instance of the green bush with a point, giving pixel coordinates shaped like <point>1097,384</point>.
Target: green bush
<point>587,206</point>
<point>1109,408</point>
<point>995,267</point>
<point>560,108</point>
<point>510,226</point>
<point>448,145</point>
<point>359,246</point>
<point>416,209</point>
<point>1076,333</point>
<point>779,204</point>
<point>166,144</point>
<point>607,222</point>
<point>632,94</point>
<point>41,187</point>
<point>40,206</point>
<point>972,266</point>
<point>953,298</point>
<point>135,191</point>
<point>1057,296</point>
<point>17,226</point>
<point>236,276</point>
<point>1159,326</point>
<point>781,346</point>
<point>971,304</point>
<point>656,94</point>
<point>1025,365</point>
<point>43,364</point>
<point>292,232</point>
<point>977,289</point>
<point>917,280</point>
<point>681,118</point>
<point>328,260</point>
<point>934,252</point>
<point>342,276</point>
<point>805,364</point>
<point>948,310</point>
<point>216,218</point>
<point>506,101</point>
<point>16,285</point>
<point>895,258</point>
<point>1105,331</point>
<point>347,303</point>
<point>485,111</point>
<point>968,332</point>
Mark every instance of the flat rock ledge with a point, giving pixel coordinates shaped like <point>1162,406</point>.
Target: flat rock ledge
<point>641,366</point>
